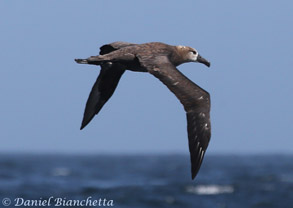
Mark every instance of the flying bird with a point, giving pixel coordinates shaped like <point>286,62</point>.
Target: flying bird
<point>160,60</point>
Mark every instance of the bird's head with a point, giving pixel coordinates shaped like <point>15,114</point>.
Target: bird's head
<point>191,55</point>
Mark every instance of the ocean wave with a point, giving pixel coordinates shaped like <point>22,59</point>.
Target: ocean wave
<point>113,184</point>
<point>61,171</point>
<point>210,189</point>
<point>287,178</point>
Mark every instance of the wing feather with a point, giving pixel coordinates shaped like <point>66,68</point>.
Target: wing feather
<point>102,90</point>
<point>196,102</point>
<point>105,84</point>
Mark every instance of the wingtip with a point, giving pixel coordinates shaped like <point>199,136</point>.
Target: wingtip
<point>193,176</point>
<point>82,126</point>
<point>195,170</point>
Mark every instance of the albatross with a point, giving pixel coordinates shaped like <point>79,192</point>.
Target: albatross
<point>160,60</point>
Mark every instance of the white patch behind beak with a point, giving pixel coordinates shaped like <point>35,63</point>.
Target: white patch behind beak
<point>193,57</point>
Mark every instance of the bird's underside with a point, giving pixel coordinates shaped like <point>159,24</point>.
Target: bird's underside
<point>117,57</point>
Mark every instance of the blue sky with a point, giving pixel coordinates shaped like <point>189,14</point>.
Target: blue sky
<point>249,44</point>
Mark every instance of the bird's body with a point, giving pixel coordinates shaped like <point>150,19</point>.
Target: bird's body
<point>160,60</point>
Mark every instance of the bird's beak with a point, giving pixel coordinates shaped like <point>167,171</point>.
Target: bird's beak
<point>203,61</point>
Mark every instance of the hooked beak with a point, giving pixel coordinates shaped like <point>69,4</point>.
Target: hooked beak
<point>203,61</point>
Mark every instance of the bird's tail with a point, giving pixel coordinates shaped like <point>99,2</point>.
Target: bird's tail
<point>95,60</point>
<point>81,61</point>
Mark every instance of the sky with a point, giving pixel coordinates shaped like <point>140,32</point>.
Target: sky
<point>43,91</point>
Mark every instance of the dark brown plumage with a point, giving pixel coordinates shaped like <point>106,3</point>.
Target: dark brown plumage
<point>160,60</point>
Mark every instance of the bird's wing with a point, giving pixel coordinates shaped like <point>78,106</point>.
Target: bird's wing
<point>102,90</point>
<point>195,100</point>
<point>105,84</point>
<point>107,48</point>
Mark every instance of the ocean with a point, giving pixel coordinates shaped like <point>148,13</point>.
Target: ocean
<point>145,181</point>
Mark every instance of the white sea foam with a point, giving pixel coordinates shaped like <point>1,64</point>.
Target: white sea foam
<point>210,189</point>
<point>61,171</point>
<point>287,178</point>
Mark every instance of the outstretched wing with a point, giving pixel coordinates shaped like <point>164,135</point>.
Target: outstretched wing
<point>196,102</point>
<point>102,90</point>
<point>105,84</point>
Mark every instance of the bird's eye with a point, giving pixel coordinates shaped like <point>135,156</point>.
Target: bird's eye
<point>194,52</point>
